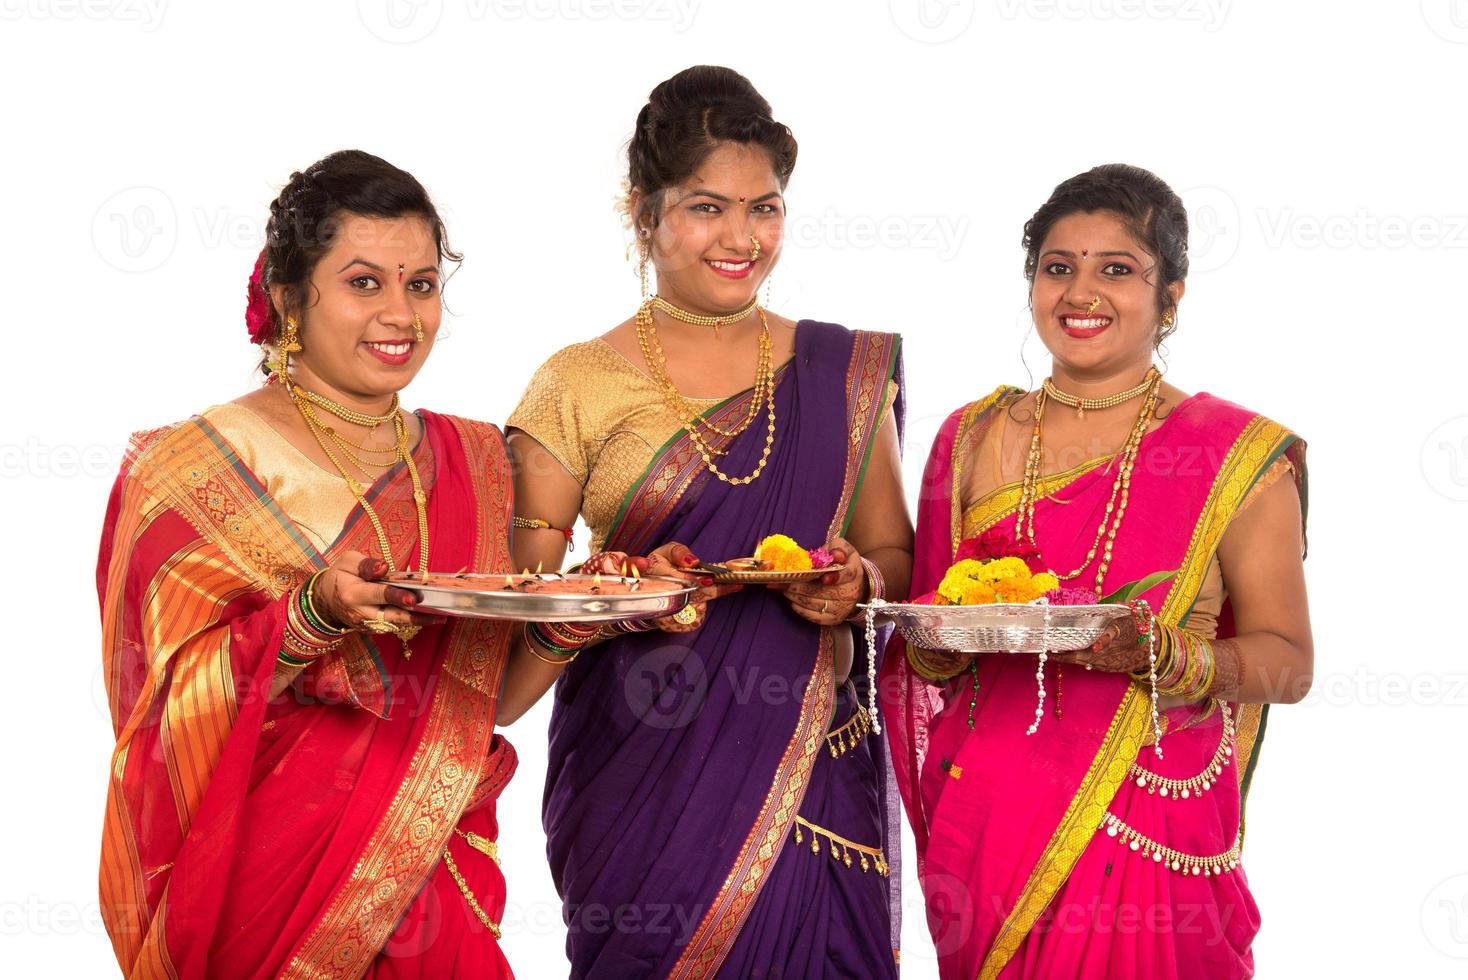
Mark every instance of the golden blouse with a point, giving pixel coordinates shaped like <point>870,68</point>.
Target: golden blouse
<point>316,500</point>
<point>603,419</point>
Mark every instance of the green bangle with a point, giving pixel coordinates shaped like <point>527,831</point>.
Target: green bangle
<point>290,661</point>
<point>308,608</point>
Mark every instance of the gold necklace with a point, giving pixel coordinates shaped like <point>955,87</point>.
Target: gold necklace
<point>1120,488</point>
<point>698,319</point>
<point>303,399</point>
<point>647,339</point>
<point>344,413</point>
<point>690,419</point>
<point>1081,405</point>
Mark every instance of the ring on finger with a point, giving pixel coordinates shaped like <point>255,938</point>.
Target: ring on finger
<point>378,624</point>
<point>686,616</point>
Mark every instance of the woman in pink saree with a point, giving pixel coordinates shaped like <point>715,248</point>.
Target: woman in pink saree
<point>1081,850</point>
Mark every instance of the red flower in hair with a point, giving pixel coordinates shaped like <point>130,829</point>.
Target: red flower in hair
<point>259,314</point>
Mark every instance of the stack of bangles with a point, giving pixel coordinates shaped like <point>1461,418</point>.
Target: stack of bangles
<point>876,588</point>
<point>308,635</point>
<point>1186,664</point>
<point>567,640</point>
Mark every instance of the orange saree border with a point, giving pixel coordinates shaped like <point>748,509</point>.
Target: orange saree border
<point>449,764</point>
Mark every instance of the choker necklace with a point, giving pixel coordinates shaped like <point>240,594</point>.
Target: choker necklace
<point>1081,405</point>
<point>678,313</point>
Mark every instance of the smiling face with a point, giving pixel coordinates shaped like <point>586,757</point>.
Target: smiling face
<point>356,332</point>
<point>701,246</point>
<point>1094,297</point>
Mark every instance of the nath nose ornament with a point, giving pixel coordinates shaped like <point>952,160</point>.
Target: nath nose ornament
<point>1095,304</point>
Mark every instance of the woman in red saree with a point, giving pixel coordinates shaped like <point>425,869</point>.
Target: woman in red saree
<point>306,770</point>
<point>1078,851</point>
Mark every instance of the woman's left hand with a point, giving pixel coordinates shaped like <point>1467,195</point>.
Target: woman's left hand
<point>1117,652</point>
<point>832,598</point>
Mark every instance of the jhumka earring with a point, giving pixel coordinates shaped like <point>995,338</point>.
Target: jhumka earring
<point>642,250</point>
<point>418,328</point>
<point>754,248</point>
<point>289,344</point>
<point>1167,319</point>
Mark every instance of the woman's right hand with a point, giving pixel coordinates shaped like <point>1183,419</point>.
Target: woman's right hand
<point>675,560</point>
<point>351,592</point>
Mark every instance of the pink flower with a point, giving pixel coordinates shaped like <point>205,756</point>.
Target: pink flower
<point>259,314</point>
<point>1071,597</point>
<point>821,558</point>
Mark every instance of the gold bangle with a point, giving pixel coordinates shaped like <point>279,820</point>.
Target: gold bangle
<point>530,645</point>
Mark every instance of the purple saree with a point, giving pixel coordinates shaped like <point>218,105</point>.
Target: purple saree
<point>678,764</point>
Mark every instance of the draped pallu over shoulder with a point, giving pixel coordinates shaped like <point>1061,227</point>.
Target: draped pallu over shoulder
<point>679,763</point>
<point>992,866</point>
<point>246,836</point>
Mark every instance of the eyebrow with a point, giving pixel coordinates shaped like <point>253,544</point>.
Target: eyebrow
<point>1070,255</point>
<point>378,268</point>
<point>700,192</point>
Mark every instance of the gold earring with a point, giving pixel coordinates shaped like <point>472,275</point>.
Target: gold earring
<point>642,265</point>
<point>289,344</point>
<point>754,248</point>
<point>1167,319</point>
<point>1094,304</point>
<point>418,328</point>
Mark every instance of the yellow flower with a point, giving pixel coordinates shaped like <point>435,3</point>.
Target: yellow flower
<point>1044,582</point>
<point>783,554</point>
<point>998,569</point>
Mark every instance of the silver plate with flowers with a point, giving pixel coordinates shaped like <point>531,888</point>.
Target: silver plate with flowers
<point>548,597</point>
<point>1001,627</point>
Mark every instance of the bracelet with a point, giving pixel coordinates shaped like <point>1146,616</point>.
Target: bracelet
<point>302,640</point>
<point>876,585</point>
<point>534,637</point>
<point>313,615</point>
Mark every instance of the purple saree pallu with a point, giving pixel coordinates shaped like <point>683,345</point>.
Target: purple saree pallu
<point>678,764</point>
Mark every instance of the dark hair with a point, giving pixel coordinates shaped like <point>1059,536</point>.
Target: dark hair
<point>1151,211</point>
<point>306,216</point>
<point>686,118</point>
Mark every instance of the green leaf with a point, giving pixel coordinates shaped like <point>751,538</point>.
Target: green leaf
<point>1131,590</point>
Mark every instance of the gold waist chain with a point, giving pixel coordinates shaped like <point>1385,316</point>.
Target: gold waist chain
<point>484,846</point>
<point>841,849</point>
<point>845,738</point>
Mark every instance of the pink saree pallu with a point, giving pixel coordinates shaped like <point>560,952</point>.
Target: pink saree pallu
<point>1046,855</point>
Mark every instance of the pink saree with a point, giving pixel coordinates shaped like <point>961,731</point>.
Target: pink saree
<point>1019,876</point>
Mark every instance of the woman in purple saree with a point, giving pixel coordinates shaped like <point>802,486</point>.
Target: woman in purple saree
<point>716,802</point>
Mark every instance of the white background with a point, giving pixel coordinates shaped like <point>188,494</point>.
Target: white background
<point>1317,144</point>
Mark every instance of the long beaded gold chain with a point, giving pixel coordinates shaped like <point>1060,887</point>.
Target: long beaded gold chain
<point>689,417</point>
<point>1120,488</point>
<point>304,400</point>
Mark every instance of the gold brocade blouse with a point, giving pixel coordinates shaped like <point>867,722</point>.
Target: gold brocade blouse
<point>316,500</point>
<point>603,419</point>
<point>1203,618</point>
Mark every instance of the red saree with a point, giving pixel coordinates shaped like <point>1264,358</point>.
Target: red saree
<point>1019,878</point>
<point>300,836</point>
